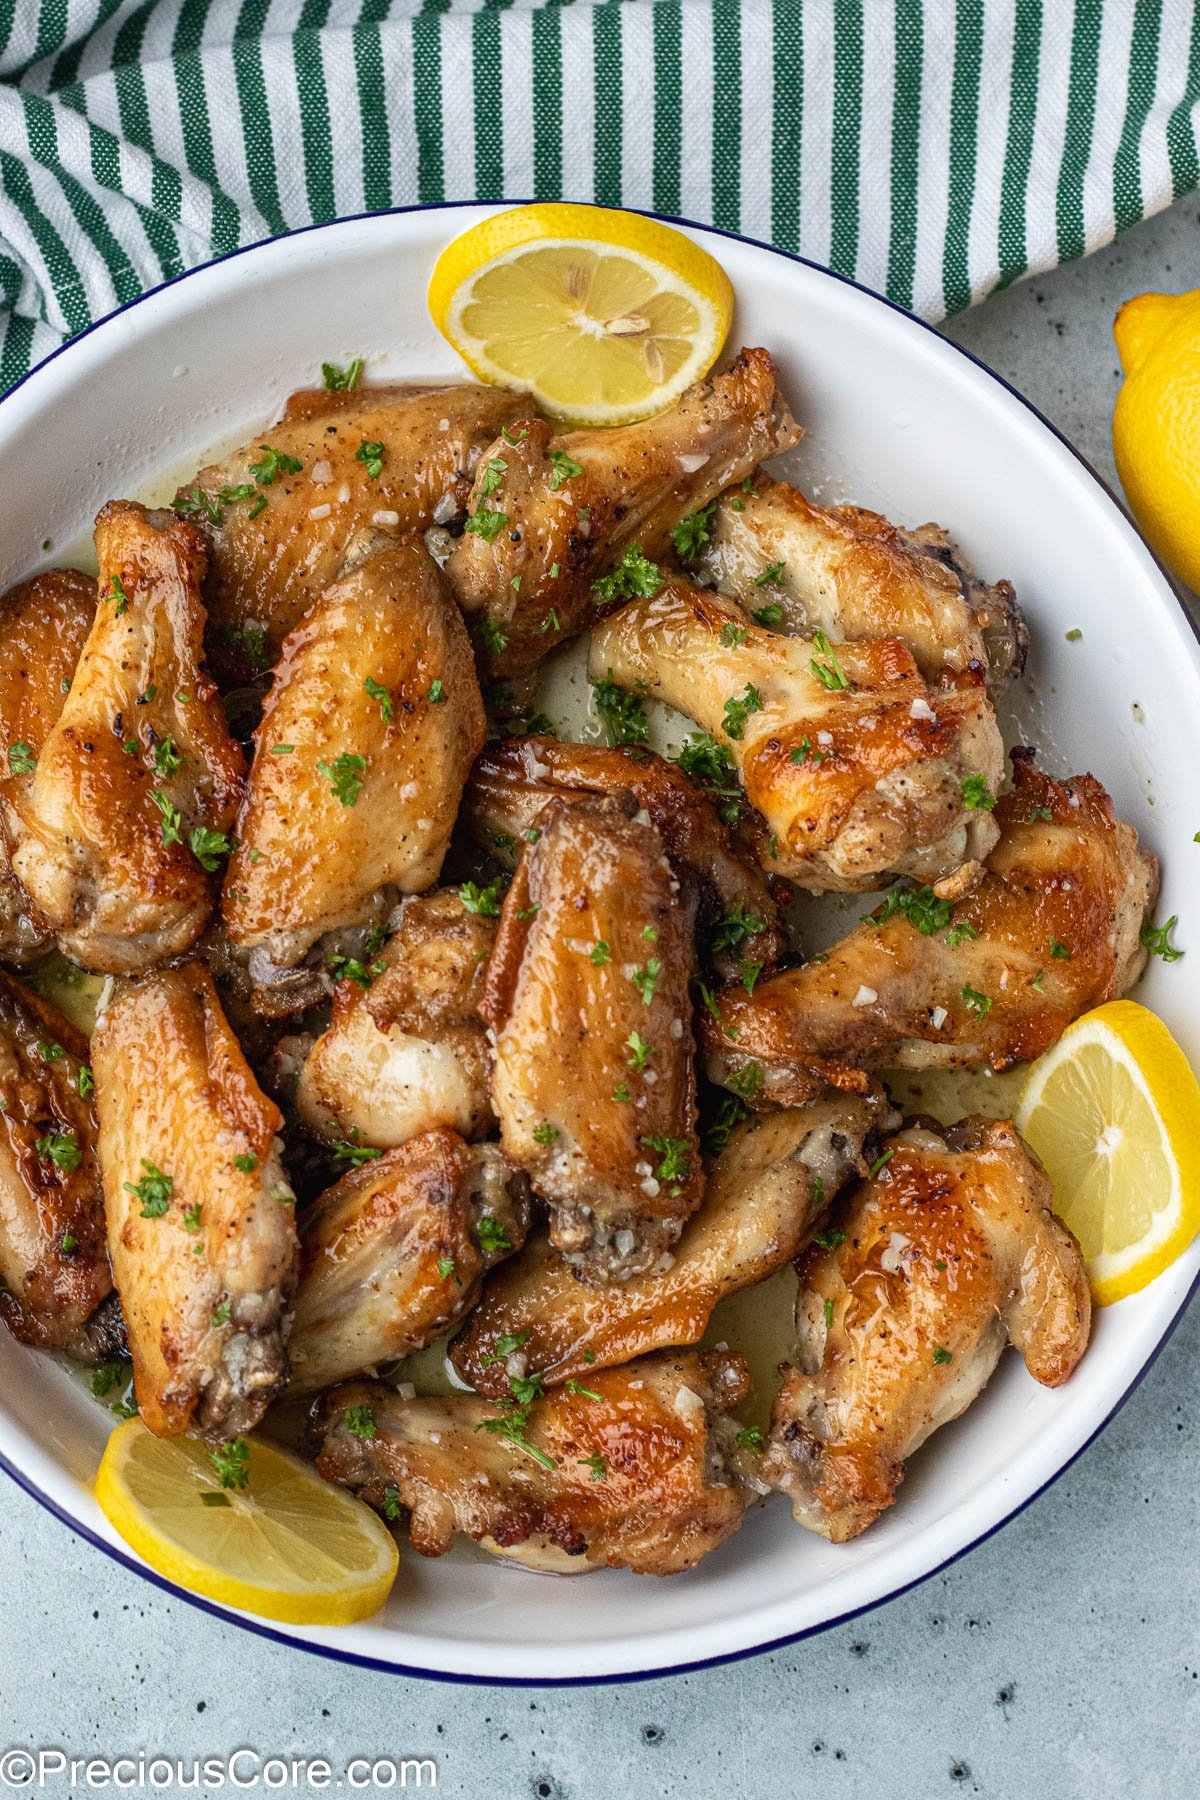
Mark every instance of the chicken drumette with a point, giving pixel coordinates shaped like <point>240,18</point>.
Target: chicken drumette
<point>553,517</point>
<point>772,1182</point>
<point>587,993</point>
<point>280,513</point>
<point>394,1255</point>
<point>859,771</point>
<point>629,1475</point>
<point>1051,927</point>
<point>853,575</point>
<point>406,1049</point>
<point>948,1254</point>
<point>126,814</point>
<point>201,1225</point>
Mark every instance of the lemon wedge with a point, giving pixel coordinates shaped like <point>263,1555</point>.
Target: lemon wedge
<point>1112,1111</point>
<point>601,317</point>
<point>287,1545</point>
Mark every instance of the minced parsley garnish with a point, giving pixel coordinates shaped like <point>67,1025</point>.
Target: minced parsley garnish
<point>154,1190</point>
<point>344,775</point>
<point>829,672</point>
<point>729,1113</point>
<point>1154,938</point>
<point>1058,951</point>
<point>487,524</point>
<point>491,1234</point>
<point>437,692</point>
<point>274,463</point>
<point>377,691</point>
<point>86,1082</point>
<point>675,1154</point>
<point>21,759</point>
<point>977,795</point>
<point>232,1463</point>
<point>484,901</point>
<point>360,1422</point>
<point>172,819</point>
<point>646,980</point>
<point>691,534</point>
<point>733,636</point>
<point>596,1463</point>
<point>545,1134</point>
<point>61,1148</point>
<point>735,928</point>
<point>335,380</point>
<point>355,1154</point>
<point>371,456</point>
<point>563,468</point>
<point>494,639</point>
<point>445,1268</point>
<point>771,573</point>
<point>246,1162</point>
<point>116,591</point>
<point>771,614</point>
<point>751,1438</point>
<point>710,764</point>
<point>941,1354</point>
<point>640,1052</point>
<point>633,577</point>
<point>829,1240</point>
<point>622,713</point>
<point>739,708</point>
<point>166,757</point>
<point>600,953</point>
<point>494,471</point>
<point>976,1002</point>
<point>919,905</point>
<point>208,847</point>
<point>192,1216</point>
<point>576,1387</point>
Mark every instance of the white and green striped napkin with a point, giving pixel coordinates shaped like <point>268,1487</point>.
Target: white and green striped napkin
<point>932,149</point>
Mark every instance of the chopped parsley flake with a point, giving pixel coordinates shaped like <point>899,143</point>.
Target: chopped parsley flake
<point>600,953</point>
<point>771,573</point>
<point>377,691</point>
<point>232,1463</point>
<point>640,1052</point>
<point>360,1422</point>
<point>646,980</point>
<point>622,713</point>
<point>495,469</point>
<point>563,468</point>
<point>977,795</point>
<point>171,818</point>
<point>491,1234</point>
<point>545,1134</point>
<point>691,534</point>
<point>676,1163</point>
<point>738,710</point>
<point>751,1438</point>
<point>154,1190</point>
<point>335,380</point>
<point>979,1004</point>
<point>484,901</point>
<point>355,1154</point>
<point>733,636</point>
<point>829,673</point>
<point>487,524</point>
<point>635,575</point>
<point>941,1354</point>
<point>1154,938</point>
<point>769,615</point>
<point>273,464</point>
<point>208,847</point>
<point>344,776</point>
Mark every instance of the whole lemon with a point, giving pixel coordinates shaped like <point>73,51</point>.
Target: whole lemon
<point>1156,423</point>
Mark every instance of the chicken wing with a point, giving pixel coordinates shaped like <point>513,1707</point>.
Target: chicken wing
<point>281,512</point>
<point>366,739</point>
<point>1051,929</point>
<point>395,1254</point>
<point>853,575</point>
<point>138,782</point>
<point>56,1282</point>
<point>406,1049</point>
<point>860,772</point>
<point>511,782</point>
<point>44,624</point>
<point>628,1475</point>
<point>201,1225</point>
<point>587,993</point>
<point>772,1182</point>
<point>947,1255</point>
<point>552,517</point>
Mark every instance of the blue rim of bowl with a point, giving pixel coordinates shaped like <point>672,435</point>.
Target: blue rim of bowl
<point>381,1664</point>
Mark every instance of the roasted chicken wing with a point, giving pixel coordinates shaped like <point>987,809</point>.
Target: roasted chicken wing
<point>736,914</point>
<point>587,993</point>
<point>1051,928</point>
<point>853,575</point>
<point>859,771</point>
<point>56,1282</point>
<point>44,625</point>
<point>948,1254</point>
<point>627,1475</point>
<point>201,1225</point>
<point>366,739</point>
<point>772,1182</point>
<point>138,782</point>
<point>406,1049</point>
<point>552,517</point>
<point>280,513</point>
<point>394,1255</point>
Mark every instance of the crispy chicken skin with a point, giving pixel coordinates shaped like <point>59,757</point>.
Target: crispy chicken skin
<point>858,776</point>
<point>392,1256</point>
<point>354,789</point>
<point>54,1269</point>
<point>637,1479</point>
<point>201,1225</point>
<point>950,1253</point>
<point>410,1051</point>
<point>587,994</point>
<point>44,623</point>
<point>853,575</point>
<point>114,870</point>
<point>1050,929</point>
<point>512,781</point>
<point>769,1186</point>
<point>572,504</point>
<point>268,565</point>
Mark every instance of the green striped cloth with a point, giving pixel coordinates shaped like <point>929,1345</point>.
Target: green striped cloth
<point>933,149</point>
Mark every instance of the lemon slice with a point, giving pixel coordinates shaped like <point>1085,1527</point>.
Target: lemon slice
<point>287,1545</point>
<point>601,317</point>
<point>1112,1110</point>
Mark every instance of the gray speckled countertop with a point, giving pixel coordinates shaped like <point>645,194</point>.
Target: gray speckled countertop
<point>1062,1658</point>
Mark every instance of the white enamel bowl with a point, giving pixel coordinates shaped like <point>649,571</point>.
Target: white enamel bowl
<point>898,419</point>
